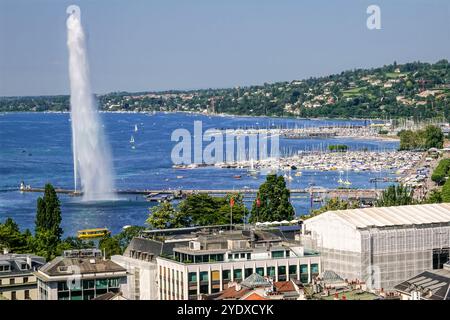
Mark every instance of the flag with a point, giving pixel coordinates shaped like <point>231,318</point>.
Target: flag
<point>231,202</point>
<point>258,202</point>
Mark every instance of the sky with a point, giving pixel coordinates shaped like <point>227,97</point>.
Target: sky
<point>153,45</point>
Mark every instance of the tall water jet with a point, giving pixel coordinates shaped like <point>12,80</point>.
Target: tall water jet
<point>91,154</point>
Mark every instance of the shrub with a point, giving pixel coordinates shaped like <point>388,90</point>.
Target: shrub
<point>441,171</point>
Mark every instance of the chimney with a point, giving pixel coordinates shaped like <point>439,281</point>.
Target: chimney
<point>29,262</point>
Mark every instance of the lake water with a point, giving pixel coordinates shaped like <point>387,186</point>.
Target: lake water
<point>36,148</point>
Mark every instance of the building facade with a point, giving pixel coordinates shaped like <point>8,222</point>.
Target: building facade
<point>17,281</point>
<point>207,264</point>
<point>382,246</point>
<point>140,263</point>
<point>80,275</point>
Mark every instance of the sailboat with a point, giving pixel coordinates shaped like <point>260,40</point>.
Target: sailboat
<point>135,128</point>
<point>347,182</point>
<point>132,140</point>
<point>252,170</point>
<point>340,181</point>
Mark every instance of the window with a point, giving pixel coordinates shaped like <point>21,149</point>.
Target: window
<point>63,295</point>
<point>237,274</point>
<point>62,286</point>
<point>226,274</point>
<point>27,294</point>
<point>113,283</point>
<point>248,272</point>
<point>242,255</point>
<point>12,281</point>
<point>440,257</point>
<point>281,273</point>
<point>88,284</point>
<point>277,254</point>
<point>101,284</point>
<point>236,255</point>
<point>314,269</point>
<point>260,271</point>
<point>271,271</point>
<point>25,279</point>
<point>204,288</point>
<point>192,276</point>
<point>230,256</point>
<point>292,269</point>
<point>204,276</point>
<point>304,273</point>
<point>249,256</point>
<point>13,295</point>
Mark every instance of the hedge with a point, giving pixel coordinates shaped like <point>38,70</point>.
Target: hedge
<point>441,171</point>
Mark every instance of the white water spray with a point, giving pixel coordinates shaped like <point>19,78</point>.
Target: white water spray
<point>91,155</point>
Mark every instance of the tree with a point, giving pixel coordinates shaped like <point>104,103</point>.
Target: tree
<point>165,216</point>
<point>272,201</point>
<point>48,231</point>
<point>434,197</point>
<point>441,171</point>
<point>334,204</point>
<point>127,235</point>
<point>203,210</point>
<point>434,138</point>
<point>446,191</point>
<point>110,245</point>
<point>48,216</point>
<point>11,237</point>
<point>395,196</point>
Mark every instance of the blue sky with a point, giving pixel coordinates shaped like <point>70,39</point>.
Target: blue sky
<point>143,45</point>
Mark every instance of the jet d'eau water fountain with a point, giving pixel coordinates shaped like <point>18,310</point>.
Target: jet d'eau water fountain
<point>91,153</point>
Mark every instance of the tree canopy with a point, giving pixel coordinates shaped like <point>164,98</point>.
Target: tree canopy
<point>272,201</point>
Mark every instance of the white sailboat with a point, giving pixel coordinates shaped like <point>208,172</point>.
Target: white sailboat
<point>132,140</point>
<point>135,128</point>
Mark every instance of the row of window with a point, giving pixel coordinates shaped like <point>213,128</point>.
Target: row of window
<point>283,273</point>
<point>13,281</point>
<point>188,258</point>
<point>88,284</point>
<point>26,295</point>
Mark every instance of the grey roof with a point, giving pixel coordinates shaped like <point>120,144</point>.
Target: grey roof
<point>329,276</point>
<point>61,266</point>
<point>151,246</point>
<point>255,280</point>
<point>14,261</point>
<point>433,285</point>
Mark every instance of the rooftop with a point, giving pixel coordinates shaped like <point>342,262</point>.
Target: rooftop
<point>433,284</point>
<point>61,266</point>
<point>11,264</point>
<point>391,216</point>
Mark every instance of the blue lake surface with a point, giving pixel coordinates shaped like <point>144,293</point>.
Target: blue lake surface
<point>36,148</point>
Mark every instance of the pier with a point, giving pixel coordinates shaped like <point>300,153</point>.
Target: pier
<point>369,194</point>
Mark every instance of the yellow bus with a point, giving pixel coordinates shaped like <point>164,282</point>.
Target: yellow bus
<point>93,233</point>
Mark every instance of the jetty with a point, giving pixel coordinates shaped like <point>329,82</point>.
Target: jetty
<point>152,195</point>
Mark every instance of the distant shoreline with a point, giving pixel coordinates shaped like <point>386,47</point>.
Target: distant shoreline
<point>207,114</point>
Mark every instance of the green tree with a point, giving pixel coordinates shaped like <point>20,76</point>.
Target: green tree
<point>11,237</point>
<point>395,196</point>
<point>48,216</point>
<point>446,191</point>
<point>273,198</point>
<point>203,209</point>
<point>48,229</point>
<point>334,204</point>
<point>164,216</point>
<point>435,196</point>
<point>434,138</point>
<point>110,246</point>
